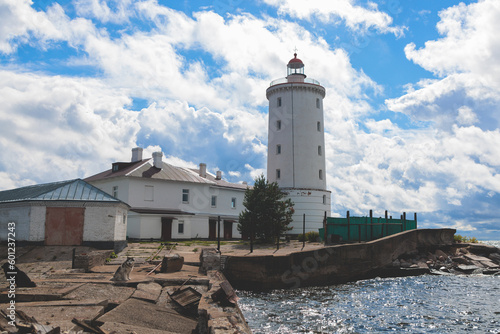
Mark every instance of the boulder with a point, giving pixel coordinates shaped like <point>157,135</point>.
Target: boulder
<point>171,264</point>
<point>209,260</point>
<point>439,253</point>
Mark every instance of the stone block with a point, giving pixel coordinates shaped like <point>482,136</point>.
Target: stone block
<point>209,260</point>
<point>171,264</point>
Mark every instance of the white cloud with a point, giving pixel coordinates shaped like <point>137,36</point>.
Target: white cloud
<point>466,116</point>
<point>20,23</point>
<point>355,17</point>
<point>466,58</point>
<point>57,128</point>
<point>118,13</point>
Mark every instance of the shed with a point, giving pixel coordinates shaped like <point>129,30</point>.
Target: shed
<point>66,213</point>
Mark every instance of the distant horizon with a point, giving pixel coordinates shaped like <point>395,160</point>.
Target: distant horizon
<point>411,108</point>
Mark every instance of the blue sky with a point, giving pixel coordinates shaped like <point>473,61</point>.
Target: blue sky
<point>411,111</point>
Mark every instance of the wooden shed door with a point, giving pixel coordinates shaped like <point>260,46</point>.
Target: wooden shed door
<point>212,229</point>
<point>166,229</point>
<point>64,226</point>
<point>228,229</point>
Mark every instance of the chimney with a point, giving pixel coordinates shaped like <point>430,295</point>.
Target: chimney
<point>219,175</point>
<point>136,154</point>
<point>245,182</point>
<point>203,170</point>
<point>157,159</point>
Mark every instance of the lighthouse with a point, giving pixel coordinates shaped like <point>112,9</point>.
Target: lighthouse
<point>296,145</point>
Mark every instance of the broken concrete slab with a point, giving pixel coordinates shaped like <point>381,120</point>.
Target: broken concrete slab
<point>144,314</point>
<point>483,260</point>
<point>101,291</point>
<point>119,328</point>
<point>147,291</point>
<point>60,315</point>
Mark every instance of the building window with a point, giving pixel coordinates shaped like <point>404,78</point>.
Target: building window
<point>278,174</point>
<point>324,199</point>
<point>180,227</point>
<point>317,103</point>
<point>278,125</point>
<point>318,126</point>
<point>115,191</point>
<point>185,195</point>
<point>233,203</point>
<point>148,193</point>
<point>214,201</point>
<point>321,174</point>
<point>320,151</point>
<point>124,218</point>
<point>279,101</point>
<point>278,149</point>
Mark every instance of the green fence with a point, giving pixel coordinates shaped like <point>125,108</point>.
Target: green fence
<point>361,229</point>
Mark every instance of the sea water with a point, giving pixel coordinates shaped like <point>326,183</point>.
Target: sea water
<point>423,304</point>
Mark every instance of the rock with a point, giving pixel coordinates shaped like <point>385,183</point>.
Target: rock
<point>439,253</point>
<point>467,268</point>
<point>460,260</point>
<point>463,251</point>
<point>441,258</point>
<point>209,260</point>
<point>396,263</point>
<point>171,264</point>
<point>432,257</point>
<point>495,257</point>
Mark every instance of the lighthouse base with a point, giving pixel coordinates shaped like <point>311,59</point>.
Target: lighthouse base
<point>312,203</point>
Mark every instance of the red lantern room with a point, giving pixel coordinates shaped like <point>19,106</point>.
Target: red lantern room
<point>295,66</point>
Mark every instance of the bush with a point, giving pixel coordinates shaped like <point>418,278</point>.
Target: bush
<point>459,238</point>
<point>312,236</point>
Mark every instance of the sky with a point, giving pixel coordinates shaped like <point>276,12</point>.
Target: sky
<point>411,106</point>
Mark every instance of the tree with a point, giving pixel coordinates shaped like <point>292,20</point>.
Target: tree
<point>266,212</point>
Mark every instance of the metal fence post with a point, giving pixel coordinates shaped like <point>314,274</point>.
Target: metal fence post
<point>385,225</point>
<point>218,234</point>
<point>348,226</point>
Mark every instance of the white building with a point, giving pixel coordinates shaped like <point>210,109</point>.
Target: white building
<point>296,145</point>
<point>67,213</point>
<point>169,202</point>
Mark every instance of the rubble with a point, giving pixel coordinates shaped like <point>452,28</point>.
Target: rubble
<point>460,258</point>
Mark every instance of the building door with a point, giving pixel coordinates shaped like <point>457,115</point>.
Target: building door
<point>228,229</point>
<point>166,229</point>
<point>212,229</point>
<point>64,226</point>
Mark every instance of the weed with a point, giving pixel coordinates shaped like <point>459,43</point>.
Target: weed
<point>459,238</point>
<point>113,255</point>
<point>195,250</point>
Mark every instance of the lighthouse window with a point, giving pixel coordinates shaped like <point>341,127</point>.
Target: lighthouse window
<point>278,125</point>
<point>320,151</point>
<point>278,174</point>
<point>317,103</point>
<point>279,101</point>
<point>318,126</point>
<point>324,199</point>
<point>278,149</point>
<point>321,174</point>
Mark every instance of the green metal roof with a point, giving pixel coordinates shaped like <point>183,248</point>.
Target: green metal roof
<point>71,190</point>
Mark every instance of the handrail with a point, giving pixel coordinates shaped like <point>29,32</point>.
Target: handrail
<point>285,80</point>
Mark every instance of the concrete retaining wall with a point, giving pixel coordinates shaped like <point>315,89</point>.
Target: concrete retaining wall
<point>330,265</point>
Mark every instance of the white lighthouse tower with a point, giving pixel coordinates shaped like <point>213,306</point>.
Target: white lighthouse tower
<point>296,145</point>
